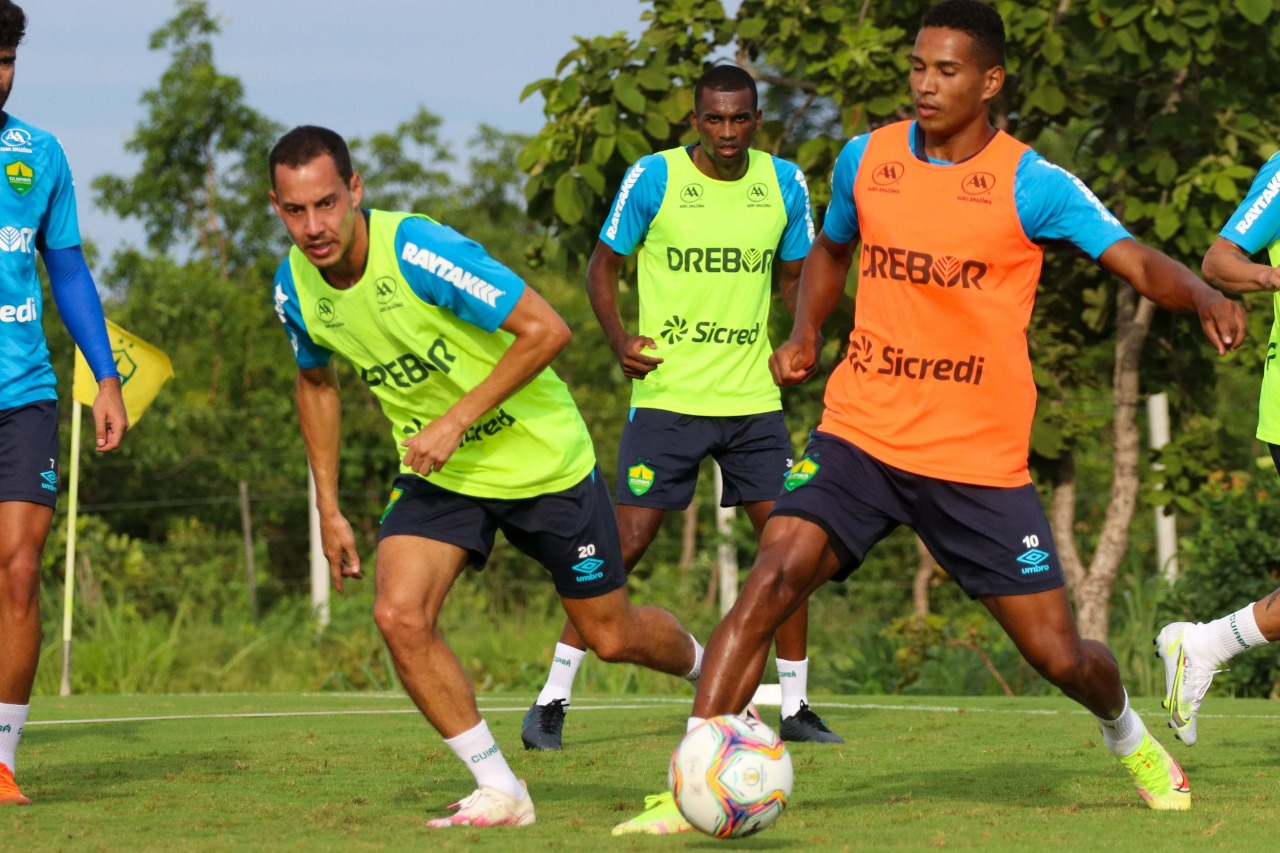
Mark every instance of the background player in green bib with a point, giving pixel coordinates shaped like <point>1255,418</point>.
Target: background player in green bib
<point>455,347</point>
<point>714,225</point>
<point>37,214</point>
<point>1193,652</point>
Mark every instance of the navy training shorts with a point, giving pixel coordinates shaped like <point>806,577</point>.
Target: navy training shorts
<point>29,453</point>
<point>572,533</point>
<point>661,451</point>
<point>991,541</point>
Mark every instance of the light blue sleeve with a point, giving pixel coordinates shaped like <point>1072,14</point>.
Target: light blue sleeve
<point>1055,206</point>
<point>456,273</point>
<point>60,226</point>
<point>1256,223</point>
<point>635,205</point>
<point>306,352</point>
<point>841,223</point>
<point>798,236</point>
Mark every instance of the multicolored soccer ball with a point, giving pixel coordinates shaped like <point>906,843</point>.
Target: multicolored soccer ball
<point>731,776</point>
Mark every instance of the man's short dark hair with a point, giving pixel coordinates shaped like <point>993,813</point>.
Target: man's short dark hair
<point>305,143</point>
<point>726,78</point>
<point>13,24</point>
<point>982,22</point>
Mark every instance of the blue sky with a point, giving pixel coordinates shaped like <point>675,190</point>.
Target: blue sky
<point>358,67</point>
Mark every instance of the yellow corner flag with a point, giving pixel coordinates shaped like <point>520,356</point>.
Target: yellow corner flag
<point>143,369</point>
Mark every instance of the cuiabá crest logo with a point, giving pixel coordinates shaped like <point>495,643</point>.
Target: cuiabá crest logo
<point>674,330</point>
<point>800,473</point>
<point>639,479</point>
<point>21,177</point>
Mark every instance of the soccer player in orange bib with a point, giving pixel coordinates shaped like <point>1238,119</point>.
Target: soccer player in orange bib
<point>928,418</point>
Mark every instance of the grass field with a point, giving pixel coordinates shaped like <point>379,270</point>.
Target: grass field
<point>361,772</point>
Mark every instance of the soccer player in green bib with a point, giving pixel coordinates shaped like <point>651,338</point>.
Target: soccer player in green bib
<point>714,225</point>
<point>1193,652</point>
<point>456,349</point>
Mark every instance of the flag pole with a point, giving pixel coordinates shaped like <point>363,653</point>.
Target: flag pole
<point>69,586</point>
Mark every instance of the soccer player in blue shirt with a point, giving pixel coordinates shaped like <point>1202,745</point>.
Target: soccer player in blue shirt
<point>1192,653</point>
<point>37,214</point>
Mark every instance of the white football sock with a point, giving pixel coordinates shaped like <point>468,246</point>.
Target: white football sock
<point>693,723</point>
<point>696,672</point>
<point>477,749</point>
<point>1231,635</point>
<point>793,677</point>
<point>564,669</point>
<point>1123,735</point>
<point>12,719</point>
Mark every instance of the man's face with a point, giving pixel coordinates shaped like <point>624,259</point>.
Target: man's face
<point>8,61</point>
<point>726,125</point>
<point>949,86</point>
<point>318,209</point>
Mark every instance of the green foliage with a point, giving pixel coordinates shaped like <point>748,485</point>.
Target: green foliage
<point>202,182</point>
<point>1232,559</point>
<point>617,101</point>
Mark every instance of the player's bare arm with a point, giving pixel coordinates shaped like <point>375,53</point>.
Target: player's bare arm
<point>540,335</point>
<point>110,420</point>
<point>320,416</point>
<point>602,288</point>
<point>787,275</point>
<point>1228,267</point>
<point>1171,285</point>
<point>822,280</point>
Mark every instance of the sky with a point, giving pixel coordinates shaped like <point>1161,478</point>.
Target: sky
<point>358,66</point>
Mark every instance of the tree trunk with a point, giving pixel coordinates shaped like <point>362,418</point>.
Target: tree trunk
<point>1091,587</point>
<point>689,535</point>
<point>920,586</point>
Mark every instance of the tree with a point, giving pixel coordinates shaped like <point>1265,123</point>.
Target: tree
<point>202,181</point>
<point>1165,114</point>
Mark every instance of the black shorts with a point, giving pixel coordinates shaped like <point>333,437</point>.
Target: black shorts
<point>660,453</point>
<point>572,533</point>
<point>29,453</point>
<point>992,541</point>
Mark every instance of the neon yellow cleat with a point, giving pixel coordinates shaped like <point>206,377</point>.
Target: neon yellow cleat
<point>660,817</point>
<point>1186,679</point>
<point>1158,778</point>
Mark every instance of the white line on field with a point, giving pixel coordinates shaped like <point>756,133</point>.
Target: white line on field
<point>643,703</point>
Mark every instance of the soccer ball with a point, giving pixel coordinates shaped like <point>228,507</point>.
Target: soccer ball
<point>731,776</point>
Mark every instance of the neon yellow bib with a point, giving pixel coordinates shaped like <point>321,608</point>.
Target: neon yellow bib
<point>418,360</point>
<point>706,274</point>
<point>1269,401</point>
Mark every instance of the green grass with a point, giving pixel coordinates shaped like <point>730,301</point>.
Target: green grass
<point>916,774</point>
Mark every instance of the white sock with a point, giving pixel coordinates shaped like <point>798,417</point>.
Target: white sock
<point>564,669</point>
<point>693,723</point>
<point>696,672</point>
<point>1124,734</point>
<point>12,719</point>
<point>793,677</point>
<point>477,749</point>
<point>1231,635</point>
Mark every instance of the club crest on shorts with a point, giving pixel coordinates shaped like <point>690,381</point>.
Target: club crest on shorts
<point>800,473</point>
<point>639,479</point>
<point>391,503</point>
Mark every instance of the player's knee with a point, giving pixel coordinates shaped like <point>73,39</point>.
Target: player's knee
<point>20,578</point>
<point>609,642</point>
<point>396,620</point>
<point>1060,665</point>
